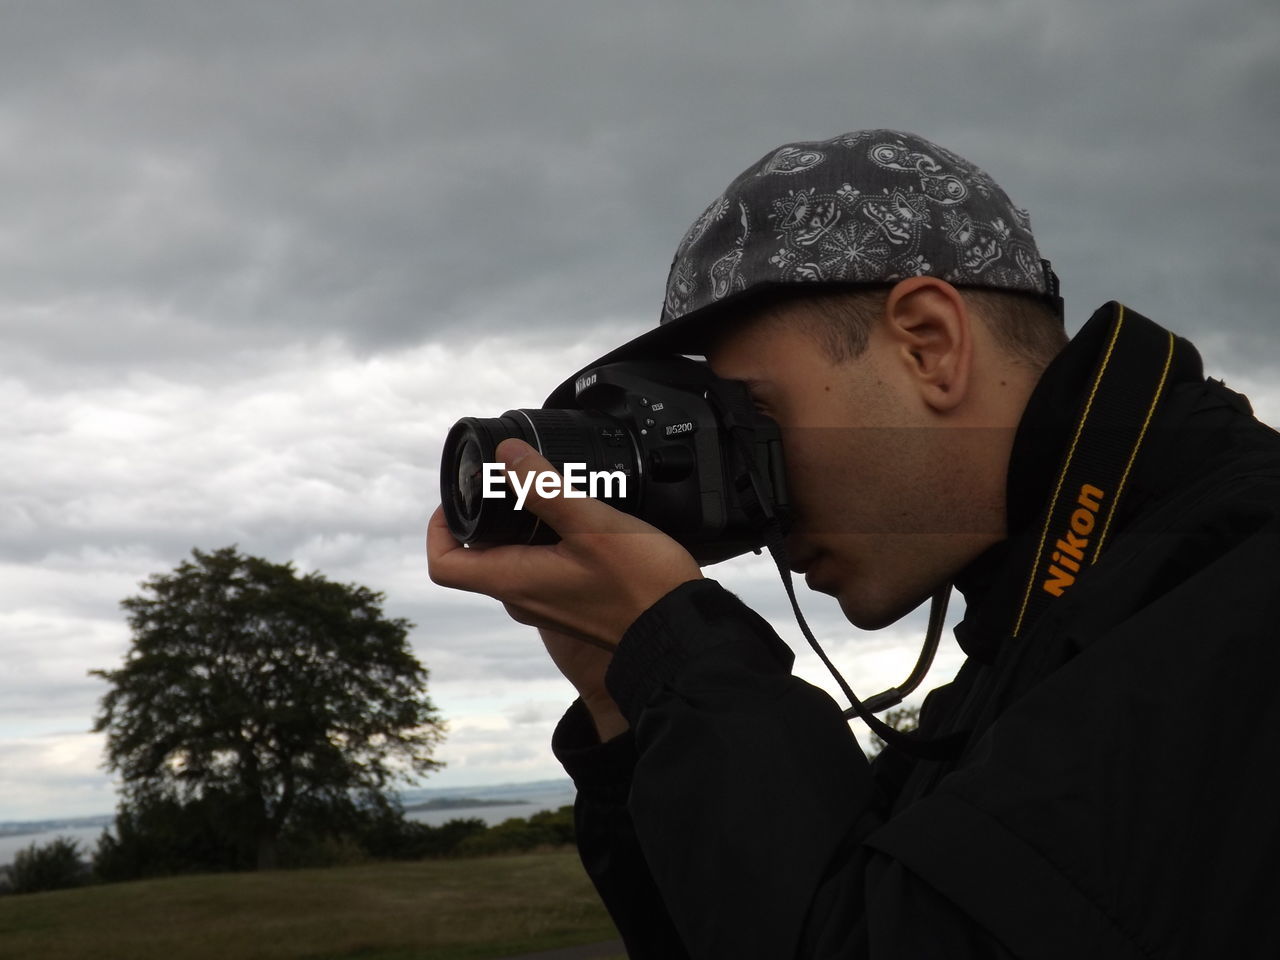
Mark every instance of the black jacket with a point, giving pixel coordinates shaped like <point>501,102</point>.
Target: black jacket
<point>1117,793</point>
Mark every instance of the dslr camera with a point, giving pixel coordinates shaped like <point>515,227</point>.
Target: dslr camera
<point>691,454</point>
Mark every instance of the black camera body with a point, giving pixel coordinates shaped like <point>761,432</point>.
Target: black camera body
<point>700,462</point>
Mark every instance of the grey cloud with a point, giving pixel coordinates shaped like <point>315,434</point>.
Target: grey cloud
<point>480,644</point>
<point>534,713</point>
<point>67,780</point>
<point>415,171</point>
<point>46,696</point>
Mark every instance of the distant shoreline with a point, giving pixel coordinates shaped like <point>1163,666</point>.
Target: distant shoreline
<point>432,810</point>
<point>463,803</point>
<point>415,800</point>
<point>18,828</point>
<point>22,828</point>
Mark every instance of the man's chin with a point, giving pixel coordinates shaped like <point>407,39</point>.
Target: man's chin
<point>858,608</point>
<point>866,604</point>
<point>867,620</point>
<point>871,613</point>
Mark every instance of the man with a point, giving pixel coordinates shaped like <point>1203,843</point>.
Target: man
<point>1097,781</point>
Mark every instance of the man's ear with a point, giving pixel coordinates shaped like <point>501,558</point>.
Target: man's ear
<point>927,321</point>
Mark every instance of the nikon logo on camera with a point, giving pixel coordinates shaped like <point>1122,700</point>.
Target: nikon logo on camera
<point>548,483</point>
<point>1069,551</point>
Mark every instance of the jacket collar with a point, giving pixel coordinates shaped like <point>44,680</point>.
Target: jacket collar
<point>991,584</point>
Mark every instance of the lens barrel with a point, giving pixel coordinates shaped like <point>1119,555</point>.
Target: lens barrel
<point>598,442</point>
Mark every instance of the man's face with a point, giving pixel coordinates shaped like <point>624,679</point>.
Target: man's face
<point>876,478</point>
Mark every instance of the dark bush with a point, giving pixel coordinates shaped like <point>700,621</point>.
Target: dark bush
<point>162,836</point>
<point>55,865</point>
<point>555,825</point>
<point>547,828</point>
<point>392,837</point>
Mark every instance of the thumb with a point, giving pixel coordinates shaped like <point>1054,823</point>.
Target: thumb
<point>565,513</point>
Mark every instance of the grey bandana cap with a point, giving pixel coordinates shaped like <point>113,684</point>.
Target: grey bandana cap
<point>871,207</point>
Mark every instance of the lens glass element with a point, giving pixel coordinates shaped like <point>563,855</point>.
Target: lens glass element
<point>466,495</point>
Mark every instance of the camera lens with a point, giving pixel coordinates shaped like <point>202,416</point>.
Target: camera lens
<point>472,516</point>
<point>481,516</point>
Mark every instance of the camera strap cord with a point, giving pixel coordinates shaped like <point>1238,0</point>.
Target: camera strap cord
<point>737,414</point>
<point>1127,386</point>
<point>938,749</point>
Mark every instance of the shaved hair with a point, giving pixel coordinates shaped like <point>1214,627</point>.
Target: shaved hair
<point>1024,325</point>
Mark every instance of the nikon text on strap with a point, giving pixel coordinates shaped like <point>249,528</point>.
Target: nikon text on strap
<point>1126,388</point>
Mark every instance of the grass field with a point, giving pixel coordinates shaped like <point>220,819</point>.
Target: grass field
<point>430,910</point>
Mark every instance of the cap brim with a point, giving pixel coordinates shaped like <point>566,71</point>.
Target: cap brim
<point>688,335</point>
<point>674,338</point>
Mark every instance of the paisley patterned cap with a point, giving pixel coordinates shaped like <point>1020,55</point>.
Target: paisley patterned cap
<point>871,207</point>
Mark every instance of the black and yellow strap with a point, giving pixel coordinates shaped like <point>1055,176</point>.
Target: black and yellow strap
<point>1126,388</point>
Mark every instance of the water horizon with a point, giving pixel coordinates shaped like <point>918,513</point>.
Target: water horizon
<point>541,795</point>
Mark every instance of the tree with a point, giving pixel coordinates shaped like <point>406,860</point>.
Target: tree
<point>272,694</point>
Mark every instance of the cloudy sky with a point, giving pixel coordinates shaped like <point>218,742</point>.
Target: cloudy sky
<point>255,258</point>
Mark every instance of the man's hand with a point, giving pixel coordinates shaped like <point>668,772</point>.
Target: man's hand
<point>608,568</point>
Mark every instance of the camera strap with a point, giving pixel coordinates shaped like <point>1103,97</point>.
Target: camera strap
<point>1126,388</point>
